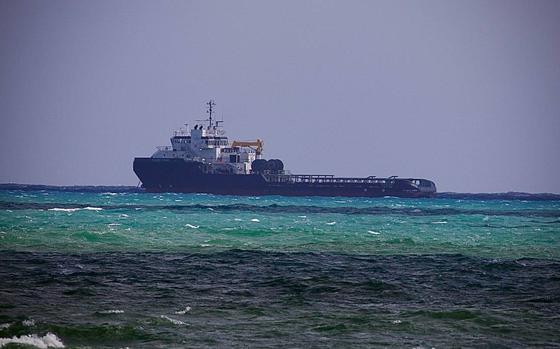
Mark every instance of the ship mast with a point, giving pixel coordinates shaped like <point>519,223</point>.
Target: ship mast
<point>210,104</point>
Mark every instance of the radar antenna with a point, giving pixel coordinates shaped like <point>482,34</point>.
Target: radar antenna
<point>210,104</point>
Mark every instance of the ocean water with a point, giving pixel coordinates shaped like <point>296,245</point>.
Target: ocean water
<point>127,269</point>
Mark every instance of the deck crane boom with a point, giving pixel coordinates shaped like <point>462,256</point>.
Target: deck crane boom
<point>257,145</point>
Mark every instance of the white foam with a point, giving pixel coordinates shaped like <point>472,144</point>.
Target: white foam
<point>331,223</point>
<point>109,193</point>
<point>184,311</point>
<point>302,216</point>
<point>29,322</point>
<point>173,321</point>
<point>64,209</point>
<point>255,220</point>
<point>237,219</point>
<point>210,209</point>
<point>124,215</point>
<point>396,322</point>
<point>93,208</point>
<point>439,222</point>
<point>192,226</point>
<point>49,340</point>
<point>112,311</point>
<point>114,224</point>
<point>373,232</point>
<point>6,325</point>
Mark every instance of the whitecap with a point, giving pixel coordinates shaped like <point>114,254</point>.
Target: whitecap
<point>192,226</point>
<point>373,232</point>
<point>124,215</point>
<point>302,216</point>
<point>109,193</point>
<point>237,219</point>
<point>114,224</point>
<point>173,321</point>
<point>112,311</point>
<point>49,340</point>
<point>210,209</point>
<point>28,323</point>
<point>439,222</point>
<point>184,311</point>
<point>486,218</point>
<point>396,322</point>
<point>4,326</point>
<point>331,223</point>
<point>64,209</point>
<point>93,208</point>
<point>255,220</point>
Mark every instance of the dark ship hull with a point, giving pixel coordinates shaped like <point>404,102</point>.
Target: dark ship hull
<point>178,175</point>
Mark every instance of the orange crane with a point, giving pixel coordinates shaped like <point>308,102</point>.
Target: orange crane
<point>257,145</point>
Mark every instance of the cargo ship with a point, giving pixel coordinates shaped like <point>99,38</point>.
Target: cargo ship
<point>201,159</point>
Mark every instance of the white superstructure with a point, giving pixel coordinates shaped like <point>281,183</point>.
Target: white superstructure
<point>208,144</point>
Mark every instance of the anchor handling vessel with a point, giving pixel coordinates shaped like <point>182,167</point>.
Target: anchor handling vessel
<point>202,160</point>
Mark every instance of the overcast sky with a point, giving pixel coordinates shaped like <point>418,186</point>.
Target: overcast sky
<point>466,93</point>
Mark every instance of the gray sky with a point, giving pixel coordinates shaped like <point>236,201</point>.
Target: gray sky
<point>466,93</point>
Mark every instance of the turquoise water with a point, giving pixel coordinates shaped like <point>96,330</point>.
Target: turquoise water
<point>207,223</point>
<point>183,270</point>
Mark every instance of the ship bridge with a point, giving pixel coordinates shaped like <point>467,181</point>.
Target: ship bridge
<point>206,142</point>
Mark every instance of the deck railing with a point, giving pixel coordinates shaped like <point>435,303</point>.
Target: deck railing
<point>326,179</point>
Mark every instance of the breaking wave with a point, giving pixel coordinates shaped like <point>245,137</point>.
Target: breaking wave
<point>49,340</point>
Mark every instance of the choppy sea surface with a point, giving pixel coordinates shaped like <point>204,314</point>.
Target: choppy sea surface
<point>86,269</point>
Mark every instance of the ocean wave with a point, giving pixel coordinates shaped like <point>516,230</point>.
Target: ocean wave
<point>89,208</point>
<point>184,311</point>
<point>63,209</point>
<point>295,209</point>
<point>173,321</point>
<point>28,322</point>
<point>49,340</point>
<point>112,311</point>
